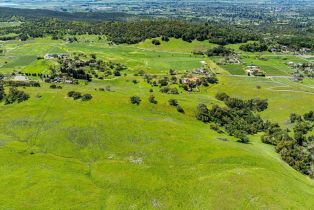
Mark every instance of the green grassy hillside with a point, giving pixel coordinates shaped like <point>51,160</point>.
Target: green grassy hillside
<point>58,153</point>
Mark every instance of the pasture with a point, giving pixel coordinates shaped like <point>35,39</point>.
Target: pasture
<point>60,153</point>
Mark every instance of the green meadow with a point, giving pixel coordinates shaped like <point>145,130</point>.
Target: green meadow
<point>60,153</point>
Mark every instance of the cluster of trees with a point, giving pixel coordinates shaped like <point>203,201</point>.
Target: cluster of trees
<point>187,82</point>
<point>13,96</point>
<point>254,47</point>
<point>192,84</point>
<point>255,104</point>
<point>156,42</point>
<point>295,149</point>
<point>219,51</point>
<point>54,86</point>
<point>80,67</point>
<point>77,95</point>
<point>304,69</point>
<point>135,100</point>
<point>59,24</point>
<point>241,118</point>
<point>13,83</point>
<point>131,32</point>
<point>169,90</point>
<point>299,118</point>
<point>36,75</point>
<point>238,119</point>
<point>297,42</point>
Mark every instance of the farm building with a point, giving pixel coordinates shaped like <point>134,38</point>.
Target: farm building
<point>254,71</point>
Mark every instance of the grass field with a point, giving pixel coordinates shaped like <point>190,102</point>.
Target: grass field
<point>22,54</point>
<point>176,45</point>
<point>235,69</point>
<point>57,153</point>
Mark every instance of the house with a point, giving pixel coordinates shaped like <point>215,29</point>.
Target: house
<point>199,71</point>
<point>190,80</point>
<point>297,78</point>
<point>305,50</point>
<point>254,71</point>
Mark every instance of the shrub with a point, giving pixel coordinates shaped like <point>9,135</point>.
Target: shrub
<point>173,102</point>
<point>242,138</point>
<point>87,97</point>
<point>55,86</point>
<point>173,91</point>
<point>165,38</point>
<point>180,109</point>
<point>309,116</point>
<point>202,113</point>
<point>135,100</point>
<point>222,96</point>
<point>117,73</point>
<point>2,93</point>
<point>75,95</point>
<point>155,42</point>
<point>295,118</point>
<point>152,99</point>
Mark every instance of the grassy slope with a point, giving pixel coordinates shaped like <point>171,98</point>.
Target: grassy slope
<point>176,45</point>
<point>274,64</point>
<point>58,153</point>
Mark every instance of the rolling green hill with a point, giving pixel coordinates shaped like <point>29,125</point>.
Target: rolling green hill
<point>60,153</point>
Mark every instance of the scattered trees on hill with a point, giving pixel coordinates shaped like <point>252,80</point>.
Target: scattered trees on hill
<point>174,102</point>
<point>239,118</point>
